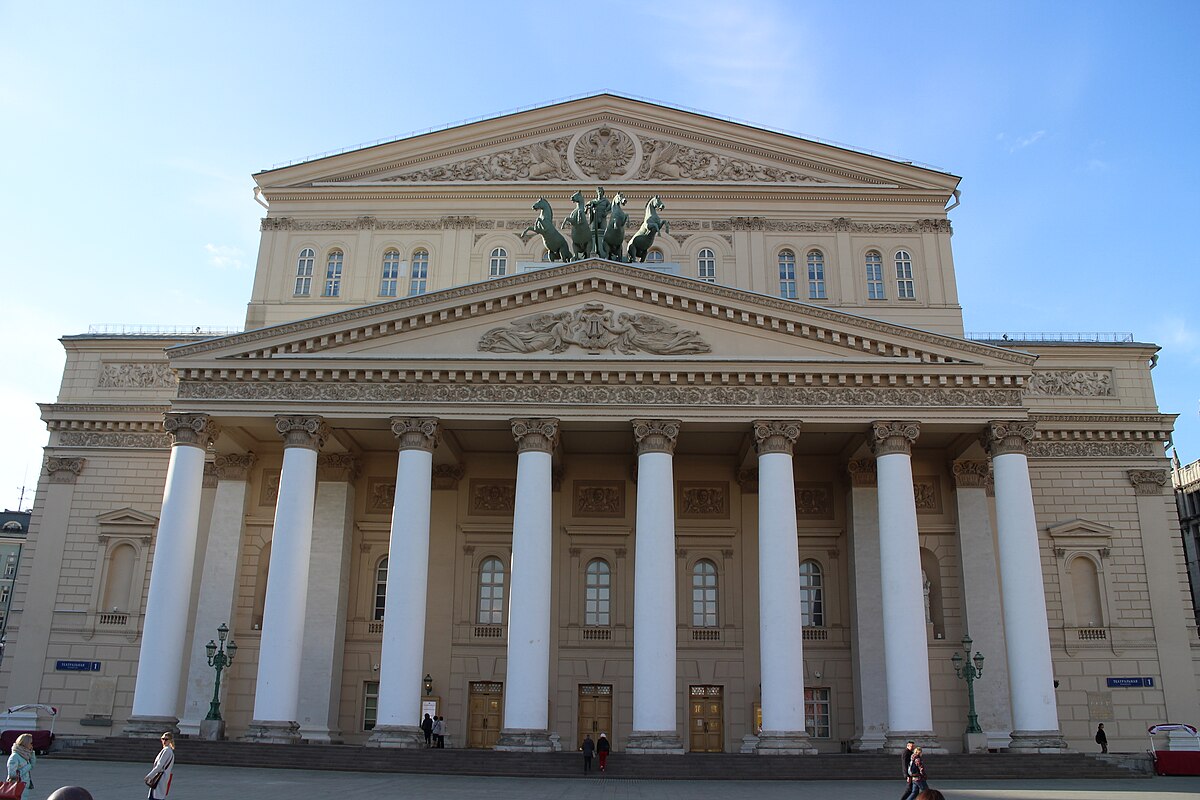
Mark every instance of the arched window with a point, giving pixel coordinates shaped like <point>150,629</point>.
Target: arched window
<point>1085,588</point>
<point>875,276</point>
<point>816,275</point>
<point>491,592</point>
<point>391,273</point>
<point>704,595</point>
<point>333,274</point>
<point>905,287</point>
<point>304,271</point>
<point>787,274</point>
<point>597,594</point>
<point>655,256</point>
<point>419,278</point>
<point>119,579</point>
<point>498,263</point>
<point>812,595</point>
<point>380,588</point>
<point>706,266</point>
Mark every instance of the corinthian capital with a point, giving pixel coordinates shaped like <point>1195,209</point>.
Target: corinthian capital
<point>417,433</point>
<point>775,436</point>
<point>1004,437</point>
<point>337,467</point>
<point>894,437</point>
<point>535,435</point>
<point>863,472</point>
<point>198,430</point>
<point>64,470</point>
<point>233,466</point>
<point>970,474</point>
<point>1147,481</point>
<point>308,432</point>
<point>656,435</point>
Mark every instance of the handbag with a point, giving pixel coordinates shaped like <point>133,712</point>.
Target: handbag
<point>12,789</point>
<point>151,782</point>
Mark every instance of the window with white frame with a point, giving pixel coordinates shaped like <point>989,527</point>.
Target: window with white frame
<point>370,704</point>
<point>704,594</point>
<point>391,273</point>
<point>419,277</point>
<point>498,263</point>
<point>706,266</point>
<point>817,713</point>
<point>816,275</point>
<point>905,286</point>
<point>333,274</point>
<point>597,594</point>
<point>875,289</point>
<point>491,592</point>
<point>655,256</point>
<point>787,274</point>
<point>304,271</point>
<point>812,595</point>
<point>381,571</point>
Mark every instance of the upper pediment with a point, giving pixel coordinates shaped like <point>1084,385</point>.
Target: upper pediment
<point>606,138</point>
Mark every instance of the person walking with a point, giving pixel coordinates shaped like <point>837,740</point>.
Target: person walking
<point>20,763</point>
<point>602,751</point>
<point>427,729</point>
<point>159,777</point>
<point>1102,738</point>
<point>438,729</point>
<point>588,747</point>
<point>905,757</point>
<point>916,773</point>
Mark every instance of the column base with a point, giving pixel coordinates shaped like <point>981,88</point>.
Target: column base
<point>320,735</point>
<point>150,727</point>
<point>524,740</point>
<point>784,743</point>
<point>871,742</point>
<point>1037,742</point>
<point>400,737</point>
<point>926,740</point>
<point>975,742</point>
<point>272,731</point>
<point>211,730</point>
<point>654,742</point>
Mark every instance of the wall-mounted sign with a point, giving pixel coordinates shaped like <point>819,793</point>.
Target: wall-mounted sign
<point>1131,683</point>
<point>77,666</point>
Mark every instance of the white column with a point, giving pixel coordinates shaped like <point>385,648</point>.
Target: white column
<point>866,634</point>
<point>527,682</point>
<point>1030,669</point>
<point>281,648</point>
<point>655,695</point>
<point>905,648</point>
<point>160,661</point>
<point>215,604</point>
<point>403,657</point>
<point>780,630</point>
<point>981,600</point>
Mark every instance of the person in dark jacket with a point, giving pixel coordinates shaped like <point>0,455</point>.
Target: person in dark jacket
<point>427,729</point>
<point>905,757</point>
<point>588,747</point>
<point>602,751</point>
<point>1102,738</point>
<point>916,772</point>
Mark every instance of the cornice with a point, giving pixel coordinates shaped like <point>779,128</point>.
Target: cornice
<point>109,425</point>
<point>495,190</point>
<point>101,408</point>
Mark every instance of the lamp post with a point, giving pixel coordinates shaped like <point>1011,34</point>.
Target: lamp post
<point>963,668</point>
<point>428,684</point>
<point>219,658</point>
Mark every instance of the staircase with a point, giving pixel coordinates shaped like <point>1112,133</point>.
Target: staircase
<point>693,766</point>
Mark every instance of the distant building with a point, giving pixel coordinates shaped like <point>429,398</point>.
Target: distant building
<point>1187,497</point>
<point>14,527</point>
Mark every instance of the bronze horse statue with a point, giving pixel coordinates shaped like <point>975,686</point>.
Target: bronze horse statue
<point>581,228</point>
<point>556,245</point>
<point>614,232</point>
<point>642,241</point>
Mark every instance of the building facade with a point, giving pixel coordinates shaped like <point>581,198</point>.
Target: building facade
<point>748,494</point>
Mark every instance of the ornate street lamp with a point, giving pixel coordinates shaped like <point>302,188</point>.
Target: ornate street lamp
<point>963,668</point>
<point>428,684</point>
<point>219,657</point>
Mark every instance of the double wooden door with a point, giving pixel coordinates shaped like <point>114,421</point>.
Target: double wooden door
<point>595,711</point>
<point>706,720</point>
<point>486,714</point>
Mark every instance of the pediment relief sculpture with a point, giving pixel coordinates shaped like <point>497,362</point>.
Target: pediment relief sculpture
<point>594,328</point>
<point>539,161</point>
<point>671,161</point>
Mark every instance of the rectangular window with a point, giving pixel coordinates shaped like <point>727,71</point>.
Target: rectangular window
<point>905,286</point>
<point>370,704</point>
<point>874,277</point>
<point>418,280</point>
<point>816,276</point>
<point>391,274</point>
<point>816,713</point>
<point>787,277</point>
<point>333,274</point>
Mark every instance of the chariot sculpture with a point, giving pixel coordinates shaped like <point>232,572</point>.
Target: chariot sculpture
<point>598,229</point>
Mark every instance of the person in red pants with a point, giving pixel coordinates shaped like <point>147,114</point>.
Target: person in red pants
<point>602,748</point>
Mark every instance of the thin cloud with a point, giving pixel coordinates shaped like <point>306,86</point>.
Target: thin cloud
<point>1179,335</point>
<point>224,257</point>
<point>1026,141</point>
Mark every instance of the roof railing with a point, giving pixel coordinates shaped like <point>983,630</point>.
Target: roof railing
<point>1025,336</point>
<point>123,329</point>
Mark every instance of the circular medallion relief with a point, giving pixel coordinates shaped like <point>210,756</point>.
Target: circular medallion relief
<point>604,152</point>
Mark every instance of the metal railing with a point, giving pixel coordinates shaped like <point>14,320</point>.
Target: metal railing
<point>122,329</point>
<point>1025,336</point>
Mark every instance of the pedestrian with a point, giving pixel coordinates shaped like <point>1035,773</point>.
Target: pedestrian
<point>588,747</point>
<point>20,763</point>
<point>1102,738</point>
<point>602,751</point>
<point>916,773</point>
<point>905,757</point>
<point>427,729</point>
<point>159,777</point>
<point>931,794</point>
<point>437,731</point>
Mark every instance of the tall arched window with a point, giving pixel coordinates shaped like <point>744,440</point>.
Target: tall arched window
<point>787,274</point>
<point>1085,588</point>
<point>491,592</point>
<point>812,595</point>
<point>119,579</point>
<point>875,276</point>
<point>333,274</point>
<point>391,273</point>
<point>905,286</point>
<point>597,594</point>
<point>816,275</point>
<point>704,595</point>
<point>655,256</point>
<point>498,263</point>
<point>419,277</point>
<point>380,588</point>
<point>304,271</point>
<point>706,266</point>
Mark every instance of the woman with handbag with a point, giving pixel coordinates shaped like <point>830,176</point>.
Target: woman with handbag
<point>20,763</point>
<point>159,777</point>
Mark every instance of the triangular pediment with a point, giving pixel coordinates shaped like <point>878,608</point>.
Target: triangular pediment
<point>606,138</point>
<point>127,516</point>
<point>1077,530</point>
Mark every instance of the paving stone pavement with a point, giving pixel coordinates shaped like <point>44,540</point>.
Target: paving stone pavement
<point>123,781</point>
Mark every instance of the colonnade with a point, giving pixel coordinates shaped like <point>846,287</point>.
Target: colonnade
<point>655,726</point>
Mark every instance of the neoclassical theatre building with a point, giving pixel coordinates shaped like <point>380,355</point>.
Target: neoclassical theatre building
<point>749,494</point>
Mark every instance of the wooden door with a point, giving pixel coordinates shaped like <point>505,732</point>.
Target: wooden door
<point>486,713</point>
<point>707,719</point>
<point>595,711</point>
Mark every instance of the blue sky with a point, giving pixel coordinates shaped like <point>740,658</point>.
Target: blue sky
<point>130,131</point>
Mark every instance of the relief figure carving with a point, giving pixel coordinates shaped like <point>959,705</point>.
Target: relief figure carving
<point>593,327</point>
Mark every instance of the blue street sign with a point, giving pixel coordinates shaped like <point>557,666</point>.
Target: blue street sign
<point>1131,683</point>
<point>77,666</point>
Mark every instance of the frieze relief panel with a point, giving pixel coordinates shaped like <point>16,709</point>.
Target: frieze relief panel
<point>1071,383</point>
<point>595,328</point>
<point>493,497</point>
<point>928,494</point>
<point>268,495</point>
<point>381,495</point>
<point>702,500</point>
<point>135,375</point>
<point>152,441</point>
<point>814,500</point>
<point>599,498</point>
